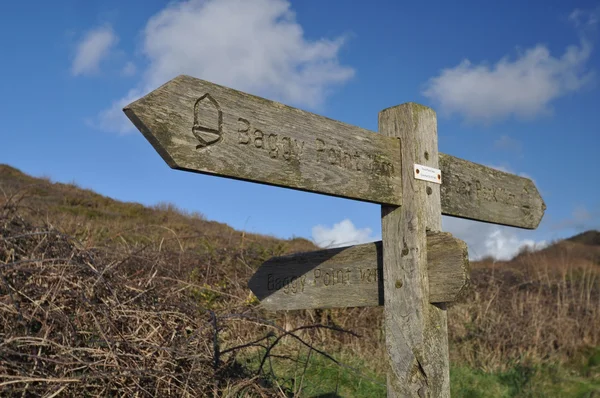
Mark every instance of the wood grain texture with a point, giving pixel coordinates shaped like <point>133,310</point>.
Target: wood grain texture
<point>237,135</point>
<point>416,331</point>
<point>470,190</point>
<point>352,276</point>
<point>202,127</point>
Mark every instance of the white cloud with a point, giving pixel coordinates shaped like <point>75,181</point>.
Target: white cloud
<point>585,18</point>
<point>483,239</point>
<point>92,49</point>
<point>523,87</point>
<point>508,144</point>
<point>582,219</point>
<point>341,234</point>
<point>129,69</point>
<point>254,46</point>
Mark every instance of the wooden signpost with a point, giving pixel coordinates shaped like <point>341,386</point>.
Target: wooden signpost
<point>352,276</point>
<point>202,127</point>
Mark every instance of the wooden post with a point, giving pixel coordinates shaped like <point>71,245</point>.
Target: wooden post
<point>198,126</point>
<point>416,331</point>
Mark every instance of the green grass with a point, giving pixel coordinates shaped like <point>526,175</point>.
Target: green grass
<point>323,378</point>
<point>317,376</point>
<point>524,382</point>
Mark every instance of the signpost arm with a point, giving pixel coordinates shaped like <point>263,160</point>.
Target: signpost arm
<point>206,128</point>
<point>416,331</point>
<point>202,127</point>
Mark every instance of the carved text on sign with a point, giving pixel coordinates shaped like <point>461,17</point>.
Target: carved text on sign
<point>277,145</point>
<point>290,285</point>
<point>478,191</point>
<point>352,160</point>
<point>322,277</point>
<point>331,277</point>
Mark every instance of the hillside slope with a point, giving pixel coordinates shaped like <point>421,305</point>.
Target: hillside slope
<point>96,218</point>
<point>100,297</point>
<point>588,238</point>
<point>114,298</point>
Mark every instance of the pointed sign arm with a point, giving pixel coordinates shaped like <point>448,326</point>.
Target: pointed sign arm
<point>352,276</point>
<point>206,128</point>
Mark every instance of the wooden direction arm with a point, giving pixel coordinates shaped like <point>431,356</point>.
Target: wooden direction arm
<point>477,192</point>
<point>352,276</point>
<point>206,128</point>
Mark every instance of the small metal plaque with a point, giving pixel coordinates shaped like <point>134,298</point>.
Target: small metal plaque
<point>427,173</point>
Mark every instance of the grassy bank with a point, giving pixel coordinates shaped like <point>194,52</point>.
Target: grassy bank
<point>100,297</point>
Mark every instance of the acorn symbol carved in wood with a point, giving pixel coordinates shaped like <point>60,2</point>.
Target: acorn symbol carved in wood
<point>208,121</point>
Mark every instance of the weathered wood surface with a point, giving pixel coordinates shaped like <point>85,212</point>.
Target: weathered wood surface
<point>416,331</point>
<point>470,190</point>
<point>352,276</point>
<point>202,127</point>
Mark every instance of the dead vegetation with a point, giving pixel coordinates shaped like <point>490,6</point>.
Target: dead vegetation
<point>81,322</point>
<point>111,306</point>
<point>104,298</point>
<point>539,307</point>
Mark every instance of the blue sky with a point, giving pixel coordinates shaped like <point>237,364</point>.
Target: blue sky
<point>514,85</point>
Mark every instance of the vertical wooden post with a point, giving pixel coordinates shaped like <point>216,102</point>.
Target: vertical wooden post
<point>416,331</point>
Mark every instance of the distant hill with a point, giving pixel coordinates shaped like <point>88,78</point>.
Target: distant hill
<point>589,238</point>
<point>581,248</point>
<point>69,202</point>
<point>74,209</point>
<point>100,297</point>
